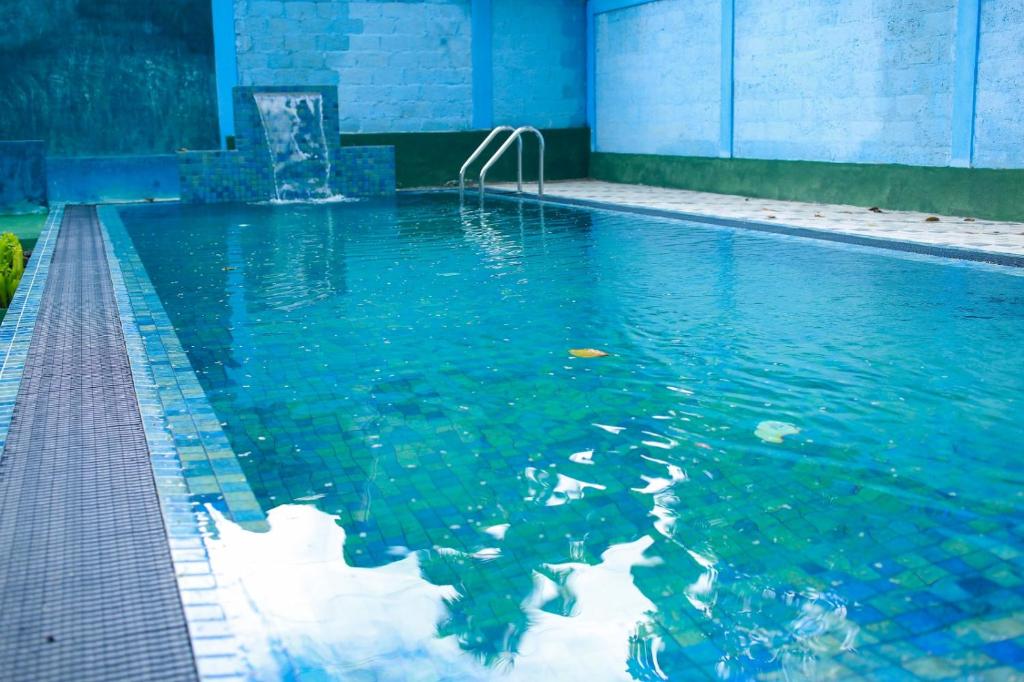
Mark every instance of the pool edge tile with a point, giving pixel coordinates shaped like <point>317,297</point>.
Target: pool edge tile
<point>186,522</point>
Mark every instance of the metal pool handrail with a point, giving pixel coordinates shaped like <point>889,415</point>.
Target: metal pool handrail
<point>479,150</point>
<point>517,135</point>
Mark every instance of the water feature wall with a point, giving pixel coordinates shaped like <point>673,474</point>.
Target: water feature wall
<point>287,147</point>
<point>293,124</point>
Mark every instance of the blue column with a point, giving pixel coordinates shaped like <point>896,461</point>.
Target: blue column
<point>965,78</point>
<point>225,64</point>
<point>725,140</point>
<point>483,72</point>
<point>591,76</point>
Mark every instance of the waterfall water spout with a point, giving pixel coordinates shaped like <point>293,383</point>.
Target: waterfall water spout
<point>293,123</point>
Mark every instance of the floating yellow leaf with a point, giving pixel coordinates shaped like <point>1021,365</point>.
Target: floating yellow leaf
<point>587,353</point>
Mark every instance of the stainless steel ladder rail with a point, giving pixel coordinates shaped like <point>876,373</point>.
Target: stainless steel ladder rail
<point>479,150</point>
<point>517,136</point>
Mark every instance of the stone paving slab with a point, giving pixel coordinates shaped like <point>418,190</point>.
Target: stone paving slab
<point>959,232</point>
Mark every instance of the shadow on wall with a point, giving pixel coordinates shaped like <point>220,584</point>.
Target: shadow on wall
<point>108,76</point>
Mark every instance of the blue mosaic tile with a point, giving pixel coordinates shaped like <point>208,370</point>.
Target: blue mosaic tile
<point>1009,652</point>
<point>246,174</point>
<point>161,384</point>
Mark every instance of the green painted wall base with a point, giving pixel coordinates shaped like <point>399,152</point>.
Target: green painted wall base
<point>433,159</point>
<point>995,194</point>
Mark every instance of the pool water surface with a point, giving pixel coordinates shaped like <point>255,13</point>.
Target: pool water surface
<point>799,459</point>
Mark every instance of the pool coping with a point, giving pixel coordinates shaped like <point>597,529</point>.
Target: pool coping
<point>20,321</point>
<point>919,248</point>
<point>155,369</point>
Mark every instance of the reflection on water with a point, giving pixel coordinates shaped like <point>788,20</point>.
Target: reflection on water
<point>299,607</point>
<point>795,463</point>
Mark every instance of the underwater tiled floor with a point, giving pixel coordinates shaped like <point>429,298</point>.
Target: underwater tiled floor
<point>948,231</point>
<point>450,496</point>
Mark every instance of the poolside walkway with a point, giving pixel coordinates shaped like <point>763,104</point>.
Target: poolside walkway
<point>903,226</point>
<point>87,586</point>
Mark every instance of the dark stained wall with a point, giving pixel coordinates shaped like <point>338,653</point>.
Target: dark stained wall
<point>96,77</point>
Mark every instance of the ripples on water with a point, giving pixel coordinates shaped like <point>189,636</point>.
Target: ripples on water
<point>452,495</point>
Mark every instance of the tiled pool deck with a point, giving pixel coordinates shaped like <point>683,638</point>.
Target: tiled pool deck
<point>830,220</point>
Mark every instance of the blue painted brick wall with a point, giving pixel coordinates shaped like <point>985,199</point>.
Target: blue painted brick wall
<point>858,81</point>
<point>409,69</point>
<point>999,125</point>
<point>539,62</point>
<point>406,66</point>
<point>398,66</point>
<point>658,78</point>
<point>864,81</point>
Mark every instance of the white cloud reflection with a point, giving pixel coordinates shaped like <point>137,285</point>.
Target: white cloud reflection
<point>297,607</point>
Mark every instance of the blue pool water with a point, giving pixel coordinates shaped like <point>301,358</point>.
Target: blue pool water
<point>800,460</point>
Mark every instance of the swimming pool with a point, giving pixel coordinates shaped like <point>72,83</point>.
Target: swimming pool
<point>797,459</point>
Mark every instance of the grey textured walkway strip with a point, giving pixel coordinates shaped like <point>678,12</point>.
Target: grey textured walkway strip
<point>87,586</point>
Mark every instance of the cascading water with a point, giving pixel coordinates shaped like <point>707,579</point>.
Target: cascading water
<point>293,123</point>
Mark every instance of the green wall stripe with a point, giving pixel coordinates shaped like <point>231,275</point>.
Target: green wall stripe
<point>996,194</point>
<point>433,159</point>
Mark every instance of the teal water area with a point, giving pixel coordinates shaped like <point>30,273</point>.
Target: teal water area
<point>799,459</point>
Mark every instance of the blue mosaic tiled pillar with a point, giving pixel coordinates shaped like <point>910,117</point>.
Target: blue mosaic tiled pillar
<point>246,174</point>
